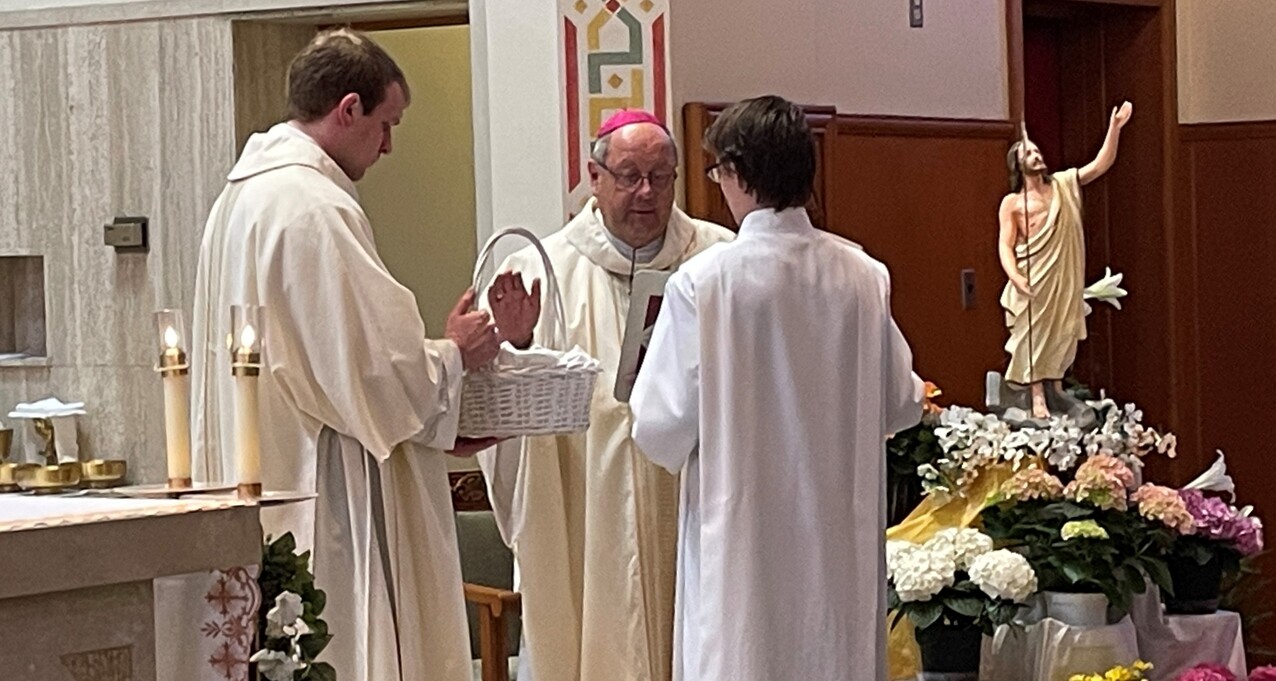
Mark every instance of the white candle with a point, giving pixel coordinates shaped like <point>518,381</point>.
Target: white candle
<point>247,435</point>
<point>176,412</point>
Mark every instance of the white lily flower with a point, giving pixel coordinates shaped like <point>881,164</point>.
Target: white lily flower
<point>1107,289</point>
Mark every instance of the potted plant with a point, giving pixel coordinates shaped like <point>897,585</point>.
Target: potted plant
<point>1134,672</point>
<point>289,626</point>
<point>1090,550</point>
<point>1219,537</point>
<point>955,589</point>
<point>906,452</point>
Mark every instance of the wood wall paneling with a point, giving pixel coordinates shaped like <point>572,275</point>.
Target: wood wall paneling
<point>921,195</point>
<point>263,51</point>
<point>924,201</point>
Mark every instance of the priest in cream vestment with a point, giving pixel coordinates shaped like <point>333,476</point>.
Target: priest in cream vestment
<point>592,523</point>
<point>355,403</point>
<point>775,375</point>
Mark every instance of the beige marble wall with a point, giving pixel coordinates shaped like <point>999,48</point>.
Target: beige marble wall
<point>99,121</point>
<point>263,52</point>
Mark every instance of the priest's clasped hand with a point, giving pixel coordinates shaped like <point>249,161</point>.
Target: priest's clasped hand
<point>473,332</point>
<point>515,310</point>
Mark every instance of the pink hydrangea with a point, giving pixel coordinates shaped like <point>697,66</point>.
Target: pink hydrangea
<point>1164,504</point>
<point>1208,672</point>
<point>1102,481</point>
<point>1031,484</point>
<point>1263,674</point>
<point>1216,519</point>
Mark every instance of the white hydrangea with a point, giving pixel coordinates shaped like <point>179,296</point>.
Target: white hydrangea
<point>964,545</point>
<point>894,551</point>
<point>276,666</point>
<point>920,573</point>
<point>285,618</point>
<point>1004,574</point>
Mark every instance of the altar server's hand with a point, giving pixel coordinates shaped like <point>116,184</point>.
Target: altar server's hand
<point>470,446</point>
<point>473,332</point>
<point>514,309</point>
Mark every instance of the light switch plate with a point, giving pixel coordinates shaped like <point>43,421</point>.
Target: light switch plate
<point>967,289</point>
<point>915,13</point>
<point>127,235</point>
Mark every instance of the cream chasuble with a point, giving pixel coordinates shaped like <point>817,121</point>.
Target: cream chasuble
<point>593,523</point>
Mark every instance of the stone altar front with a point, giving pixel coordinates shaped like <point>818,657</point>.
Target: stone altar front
<point>76,574</point>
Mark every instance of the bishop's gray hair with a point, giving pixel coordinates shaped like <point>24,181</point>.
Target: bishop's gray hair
<point>602,145</point>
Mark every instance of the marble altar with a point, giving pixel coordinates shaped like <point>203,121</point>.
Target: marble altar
<point>77,601</point>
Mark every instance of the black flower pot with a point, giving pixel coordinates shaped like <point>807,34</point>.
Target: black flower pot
<point>1197,588</point>
<point>950,650</point>
<point>903,494</point>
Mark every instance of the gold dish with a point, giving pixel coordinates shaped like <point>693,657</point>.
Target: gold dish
<point>9,473</point>
<point>103,473</point>
<point>49,479</point>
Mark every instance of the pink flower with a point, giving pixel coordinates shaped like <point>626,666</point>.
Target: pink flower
<point>1263,674</point>
<point>1032,483</point>
<point>1164,504</point>
<point>1217,520</point>
<point>1208,672</point>
<point>1102,481</point>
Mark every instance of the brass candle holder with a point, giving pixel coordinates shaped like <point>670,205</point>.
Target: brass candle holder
<point>51,477</point>
<point>8,469</point>
<point>103,473</point>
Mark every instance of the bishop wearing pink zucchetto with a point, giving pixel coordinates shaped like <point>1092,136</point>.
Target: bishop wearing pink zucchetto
<point>593,523</point>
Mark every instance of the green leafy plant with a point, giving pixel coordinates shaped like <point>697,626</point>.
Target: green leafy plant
<point>956,580</point>
<point>292,633</point>
<point>1113,563</point>
<point>906,451</point>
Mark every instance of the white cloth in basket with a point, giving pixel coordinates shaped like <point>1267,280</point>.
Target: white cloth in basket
<point>539,357</point>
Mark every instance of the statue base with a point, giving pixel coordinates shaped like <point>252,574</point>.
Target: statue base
<point>1012,403</point>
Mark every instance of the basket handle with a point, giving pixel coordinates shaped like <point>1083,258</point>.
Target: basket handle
<point>557,325</point>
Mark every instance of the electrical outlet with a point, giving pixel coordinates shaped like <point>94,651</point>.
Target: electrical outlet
<point>915,13</point>
<point>967,289</point>
<point>127,235</point>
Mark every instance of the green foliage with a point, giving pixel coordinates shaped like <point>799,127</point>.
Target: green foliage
<point>914,447</point>
<point>961,606</point>
<point>283,569</point>
<point>1114,566</point>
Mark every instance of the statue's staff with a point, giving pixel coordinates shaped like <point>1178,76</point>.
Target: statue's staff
<point>1027,246</point>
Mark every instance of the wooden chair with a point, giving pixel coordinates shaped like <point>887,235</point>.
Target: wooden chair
<point>487,567</point>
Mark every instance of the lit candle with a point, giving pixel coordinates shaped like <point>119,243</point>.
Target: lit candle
<point>246,366</point>
<point>174,370</point>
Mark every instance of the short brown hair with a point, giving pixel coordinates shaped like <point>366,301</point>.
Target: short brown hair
<point>769,146</point>
<point>335,64</point>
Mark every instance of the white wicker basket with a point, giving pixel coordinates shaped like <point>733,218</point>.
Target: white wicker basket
<point>527,401</point>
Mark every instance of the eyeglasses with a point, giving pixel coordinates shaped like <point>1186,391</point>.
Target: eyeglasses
<point>657,180</point>
<point>715,172</point>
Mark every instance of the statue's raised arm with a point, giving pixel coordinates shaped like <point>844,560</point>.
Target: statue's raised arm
<point>1108,152</point>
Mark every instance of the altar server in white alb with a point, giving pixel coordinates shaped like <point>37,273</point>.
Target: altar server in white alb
<point>355,403</point>
<point>775,375</point>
